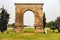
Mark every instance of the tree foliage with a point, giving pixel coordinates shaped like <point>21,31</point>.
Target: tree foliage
<point>44,21</point>
<point>50,24</point>
<point>4,18</point>
<point>57,21</point>
<point>24,25</point>
<point>54,24</point>
<point>13,24</point>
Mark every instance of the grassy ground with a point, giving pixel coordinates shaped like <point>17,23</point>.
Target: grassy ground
<point>29,35</point>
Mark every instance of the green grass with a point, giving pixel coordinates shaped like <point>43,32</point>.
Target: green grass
<point>29,30</point>
<point>29,35</point>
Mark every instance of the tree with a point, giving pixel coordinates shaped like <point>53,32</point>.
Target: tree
<point>57,23</point>
<point>44,21</point>
<point>58,19</point>
<point>13,24</point>
<point>51,25</point>
<point>4,20</point>
<point>24,25</point>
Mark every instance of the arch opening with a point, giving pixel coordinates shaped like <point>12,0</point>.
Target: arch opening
<point>28,19</point>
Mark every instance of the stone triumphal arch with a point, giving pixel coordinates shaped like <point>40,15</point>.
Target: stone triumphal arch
<point>36,8</point>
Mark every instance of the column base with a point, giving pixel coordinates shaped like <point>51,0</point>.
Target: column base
<point>39,29</point>
<point>18,30</point>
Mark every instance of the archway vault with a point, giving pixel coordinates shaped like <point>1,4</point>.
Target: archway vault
<point>21,8</point>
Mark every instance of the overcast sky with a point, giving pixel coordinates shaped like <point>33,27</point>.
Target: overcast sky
<point>51,8</point>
